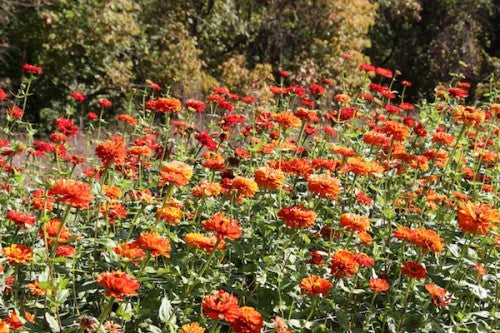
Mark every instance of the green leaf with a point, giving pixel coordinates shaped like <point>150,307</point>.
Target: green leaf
<point>54,326</point>
<point>165,312</point>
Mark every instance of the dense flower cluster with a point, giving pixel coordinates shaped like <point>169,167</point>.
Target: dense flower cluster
<point>308,207</point>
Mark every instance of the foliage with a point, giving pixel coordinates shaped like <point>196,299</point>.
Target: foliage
<point>428,40</point>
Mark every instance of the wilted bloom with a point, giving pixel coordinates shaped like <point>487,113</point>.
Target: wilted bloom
<point>118,284</point>
<point>314,285</point>
<point>438,295</point>
<point>221,305</point>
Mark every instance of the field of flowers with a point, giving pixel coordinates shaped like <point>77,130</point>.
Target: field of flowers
<point>309,211</point>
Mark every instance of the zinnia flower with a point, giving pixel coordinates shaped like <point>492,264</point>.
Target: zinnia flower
<point>297,217</point>
<point>379,285</point>
<point>438,295</point>
<point>72,192</point>
<point>248,321</point>
<point>355,222</point>
<point>314,285</point>
<point>324,185</point>
<point>414,270</point>
<point>157,245</point>
<point>344,264</point>
<point>118,284</point>
<point>175,172</point>
<point>203,242</point>
<point>477,218</point>
<point>17,254</point>
<point>221,305</point>
<point>19,218</point>
<point>286,119</point>
<point>223,226</point>
<point>112,151</point>
<point>269,178</point>
<point>192,328</point>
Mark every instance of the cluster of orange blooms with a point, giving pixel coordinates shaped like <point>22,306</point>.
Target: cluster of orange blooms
<point>329,196</point>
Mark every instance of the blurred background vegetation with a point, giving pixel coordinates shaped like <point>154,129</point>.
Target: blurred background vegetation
<point>106,48</point>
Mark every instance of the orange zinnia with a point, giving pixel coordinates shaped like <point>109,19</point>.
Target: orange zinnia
<point>112,151</point>
<point>324,185</point>
<point>203,242</point>
<point>379,285</point>
<point>171,212</point>
<point>298,217</point>
<point>192,328</point>
<point>355,222</point>
<point>477,218</point>
<point>314,285</point>
<point>72,192</point>
<point>223,226</point>
<point>245,187</point>
<point>438,295</point>
<point>286,119</point>
<point>157,245</point>
<point>468,115</point>
<point>17,254</point>
<point>207,189</point>
<point>4,328</point>
<point>269,178</point>
<point>424,238</point>
<point>344,264</point>
<point>248,321</point>
<point>118,284</point>
<point>176,172</point>
<point>130,251</point>
<point>221,305</point>
<point>52,228</point>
